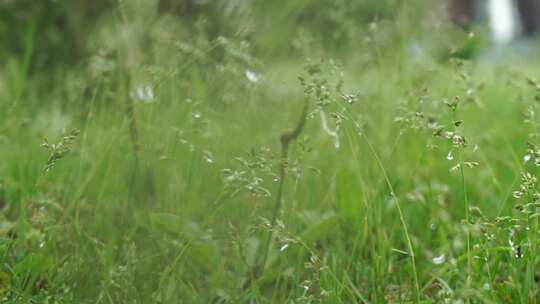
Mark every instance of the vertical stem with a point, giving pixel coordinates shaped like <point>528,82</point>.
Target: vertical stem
<point>466,198</point>
<point>286,138</point>
<point>277,206</point>
<point>126,74</point>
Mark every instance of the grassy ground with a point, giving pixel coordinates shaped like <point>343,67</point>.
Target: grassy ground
<point>413,181</point>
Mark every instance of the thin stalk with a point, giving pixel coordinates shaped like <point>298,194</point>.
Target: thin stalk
<point>531,257</point>
<point>286,138</point>
<point>134,137</point>
<point>130,112</point>
<point>466,198</point>
<point>126,72</point>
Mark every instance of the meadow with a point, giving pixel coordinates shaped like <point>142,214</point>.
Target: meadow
<point>260,152</point>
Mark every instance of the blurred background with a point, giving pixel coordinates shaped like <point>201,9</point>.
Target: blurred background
<point>51,35</point>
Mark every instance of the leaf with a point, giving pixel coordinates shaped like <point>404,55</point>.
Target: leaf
<point>33,264</point>
<point>202,256</point>
<point>32,267</point>
<point>323,229</point>
<point>166,222</point>
<point>348,194</point>
<point>201,250</point>
<point>5,282</point>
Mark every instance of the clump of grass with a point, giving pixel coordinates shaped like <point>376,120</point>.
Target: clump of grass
<point>369,215</point>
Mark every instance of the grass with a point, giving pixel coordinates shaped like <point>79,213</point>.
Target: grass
<point>161,170</point>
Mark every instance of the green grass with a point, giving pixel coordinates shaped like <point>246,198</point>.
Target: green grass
<point>413,199</point>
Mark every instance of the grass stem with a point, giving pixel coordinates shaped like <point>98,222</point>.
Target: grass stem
<point>286,138</point>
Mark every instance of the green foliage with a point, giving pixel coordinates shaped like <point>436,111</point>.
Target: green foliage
<point>218,155</point>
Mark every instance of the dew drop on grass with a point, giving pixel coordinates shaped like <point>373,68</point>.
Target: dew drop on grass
<point>527,157</point>
<point>450,156</point>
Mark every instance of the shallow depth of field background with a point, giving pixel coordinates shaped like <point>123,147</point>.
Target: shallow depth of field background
<point>141,160</point>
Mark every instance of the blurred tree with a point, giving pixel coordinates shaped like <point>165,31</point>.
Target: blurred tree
<point>529,12</point>
<point>462,12</point>
<point>57,28</point>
